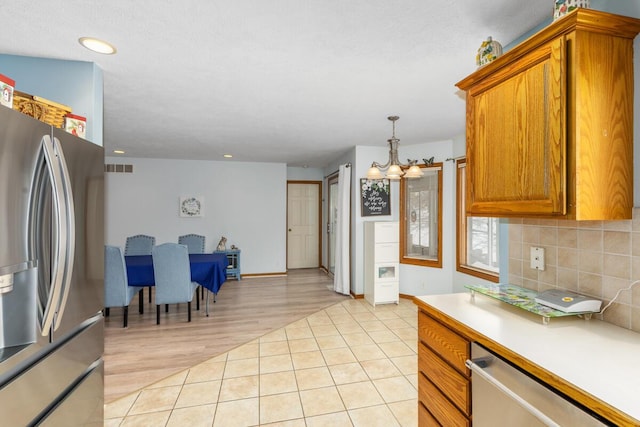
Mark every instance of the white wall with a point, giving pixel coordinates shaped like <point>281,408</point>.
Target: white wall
<point>245,202</point>
<point>364,157</point>
<point>304,174</point>
<point>414,280</point>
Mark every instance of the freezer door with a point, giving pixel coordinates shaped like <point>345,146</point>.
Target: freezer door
<point>84,406</point>
<point>74,363</point>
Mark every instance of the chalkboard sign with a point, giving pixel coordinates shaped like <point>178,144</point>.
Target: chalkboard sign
<point>374,194</point>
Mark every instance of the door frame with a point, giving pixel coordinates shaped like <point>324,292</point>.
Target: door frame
<point>319,207</point>
<point>334,177</point>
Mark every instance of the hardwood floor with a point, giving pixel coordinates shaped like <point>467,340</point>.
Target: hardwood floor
<point>145,353</point>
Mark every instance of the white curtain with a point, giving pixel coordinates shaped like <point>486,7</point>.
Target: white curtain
<point>342,275</point>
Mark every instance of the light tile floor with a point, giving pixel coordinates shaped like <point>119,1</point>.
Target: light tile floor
<point>348,365</point>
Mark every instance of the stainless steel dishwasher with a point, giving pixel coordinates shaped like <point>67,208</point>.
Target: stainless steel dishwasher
<point>502,395</point>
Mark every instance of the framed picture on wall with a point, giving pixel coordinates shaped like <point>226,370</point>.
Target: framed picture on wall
<point>374,196</point>
<point>191,206</point>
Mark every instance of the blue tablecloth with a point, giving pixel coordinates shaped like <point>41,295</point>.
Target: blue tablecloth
<point>209,270</point>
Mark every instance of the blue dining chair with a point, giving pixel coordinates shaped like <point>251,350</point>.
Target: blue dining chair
<point>140,244</point>
<point>173,276</point>
<point>195,244</point>
<point>117,292</point>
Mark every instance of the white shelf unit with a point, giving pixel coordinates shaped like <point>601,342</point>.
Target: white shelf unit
<point>381,262</point>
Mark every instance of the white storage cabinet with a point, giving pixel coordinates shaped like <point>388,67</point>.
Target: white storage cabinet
<point>381,262</point>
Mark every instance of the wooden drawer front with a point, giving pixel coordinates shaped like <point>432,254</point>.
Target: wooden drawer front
<point>452,384</point>
<point>439,406</point>
<point>425,419</point>
<point>449,345</point>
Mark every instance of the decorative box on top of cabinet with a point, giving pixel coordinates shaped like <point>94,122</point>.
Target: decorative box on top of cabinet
<point>233,269</point>
<point>381,262</point>
<point>550,123</point>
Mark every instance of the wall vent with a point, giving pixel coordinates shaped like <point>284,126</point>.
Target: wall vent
<point>116,168</point>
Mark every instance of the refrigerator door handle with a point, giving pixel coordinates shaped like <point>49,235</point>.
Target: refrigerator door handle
<point>60,250</point>
<point>70,239</point>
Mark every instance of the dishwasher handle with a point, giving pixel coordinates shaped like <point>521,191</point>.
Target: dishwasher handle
<point>476,366</point>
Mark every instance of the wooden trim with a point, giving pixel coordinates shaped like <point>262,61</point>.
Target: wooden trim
<point>284,273</point>
<point>461,232</point>
<point>483,274</point>
<point>580,19</point>
<point>437,263</point>
<point>319,184</point>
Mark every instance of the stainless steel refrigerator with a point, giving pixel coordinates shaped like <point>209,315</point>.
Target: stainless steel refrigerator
<point>51,275</point>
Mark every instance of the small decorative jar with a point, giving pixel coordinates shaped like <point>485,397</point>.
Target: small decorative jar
<point>489,51</point>
<point>562,7</point>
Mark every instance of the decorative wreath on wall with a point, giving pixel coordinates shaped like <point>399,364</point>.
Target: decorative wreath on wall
<point>191,206</point>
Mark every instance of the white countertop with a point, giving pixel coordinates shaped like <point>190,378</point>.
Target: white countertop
<point>597,357</point>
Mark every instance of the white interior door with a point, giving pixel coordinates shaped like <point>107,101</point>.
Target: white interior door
<point>303,225</point>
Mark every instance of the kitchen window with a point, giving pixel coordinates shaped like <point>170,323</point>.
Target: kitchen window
<point>477,237</point>
<point>421,218</point>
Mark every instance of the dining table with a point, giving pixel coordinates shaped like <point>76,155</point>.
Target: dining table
<point>208,270</point>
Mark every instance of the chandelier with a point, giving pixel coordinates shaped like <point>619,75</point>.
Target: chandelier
<point>393,166</point>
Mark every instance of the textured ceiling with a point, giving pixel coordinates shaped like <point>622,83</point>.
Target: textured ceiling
<point>293,81</point>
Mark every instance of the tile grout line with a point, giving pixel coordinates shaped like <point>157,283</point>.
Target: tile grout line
<point>309,323</point>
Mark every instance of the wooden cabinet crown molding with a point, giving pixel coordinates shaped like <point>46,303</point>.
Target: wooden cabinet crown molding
<point>580,19</point>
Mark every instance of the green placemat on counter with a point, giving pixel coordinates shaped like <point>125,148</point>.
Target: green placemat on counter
<point>520,297</point>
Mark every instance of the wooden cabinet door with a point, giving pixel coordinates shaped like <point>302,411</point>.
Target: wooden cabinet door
<point>516,131</point>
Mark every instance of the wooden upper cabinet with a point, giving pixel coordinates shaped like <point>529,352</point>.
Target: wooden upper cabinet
<point>550,123</point>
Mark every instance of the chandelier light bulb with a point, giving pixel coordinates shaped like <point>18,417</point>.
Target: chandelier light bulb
<point>374,173</point>
<point>414,172</point>
<point>394,172</point>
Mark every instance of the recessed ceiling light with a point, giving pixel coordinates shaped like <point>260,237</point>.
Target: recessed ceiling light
<point>118,151</point>
<point>227,156</point>
<point>97,45</point>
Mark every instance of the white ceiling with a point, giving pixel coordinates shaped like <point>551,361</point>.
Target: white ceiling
<point>293,81</point>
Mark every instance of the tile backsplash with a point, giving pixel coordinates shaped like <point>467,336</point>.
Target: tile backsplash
<point>595,258</point>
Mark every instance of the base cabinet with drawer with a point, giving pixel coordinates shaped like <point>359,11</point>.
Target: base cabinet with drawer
<point>381,262</point>
<point>451,330</point>
<point>444,381</point>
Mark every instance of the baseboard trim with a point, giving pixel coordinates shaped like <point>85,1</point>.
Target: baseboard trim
<point>284,273</point>
<point>360,296</point>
